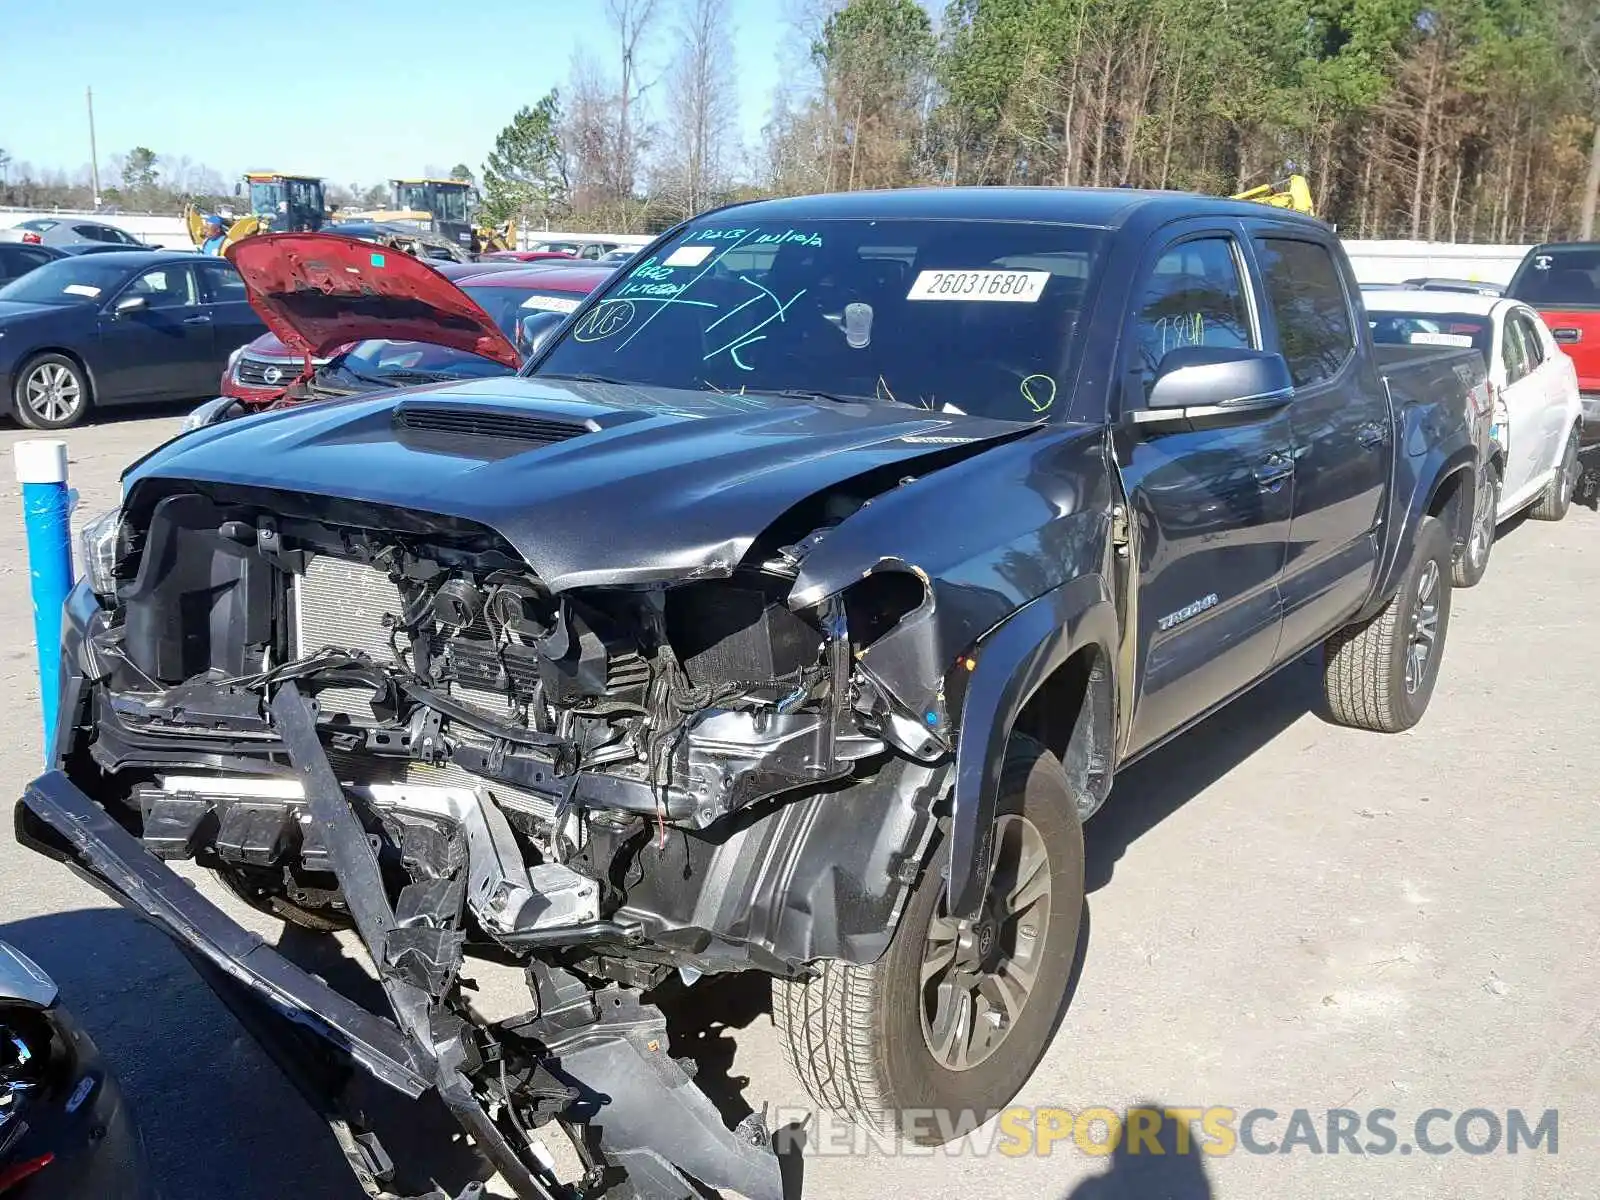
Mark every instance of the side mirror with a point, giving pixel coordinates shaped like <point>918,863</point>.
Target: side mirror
<point>1200,386</point>
<point>131,304</point>
<point>536,329</point>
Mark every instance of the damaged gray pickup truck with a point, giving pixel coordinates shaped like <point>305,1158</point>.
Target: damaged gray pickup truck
<point>790,613</point>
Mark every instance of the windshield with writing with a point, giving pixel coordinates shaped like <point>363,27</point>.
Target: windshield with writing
<point>978,317</point>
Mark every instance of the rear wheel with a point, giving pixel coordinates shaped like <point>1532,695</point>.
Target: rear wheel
<point>1557,495</point>
<point>955,1016</point>
<point>1379,674</point>
<point>1473,561</point>
<point>51,392</point>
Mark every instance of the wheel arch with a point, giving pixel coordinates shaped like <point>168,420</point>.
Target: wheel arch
<point>1445,488</point>
<point>1046,671</point>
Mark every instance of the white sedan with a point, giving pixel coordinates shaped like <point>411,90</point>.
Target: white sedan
<point>1538,412</point>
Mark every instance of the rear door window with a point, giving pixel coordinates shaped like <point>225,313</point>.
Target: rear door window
<point>221,284</point>
<point>1316,334</point>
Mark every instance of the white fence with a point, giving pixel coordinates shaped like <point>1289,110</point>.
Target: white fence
<point>170,232</point>
<point>1374,261</point>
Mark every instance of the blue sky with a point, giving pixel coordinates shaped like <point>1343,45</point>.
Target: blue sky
<point>294,84</point>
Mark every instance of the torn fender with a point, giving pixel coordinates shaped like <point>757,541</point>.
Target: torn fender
<point>1009,665</point>
<point>985,537</point>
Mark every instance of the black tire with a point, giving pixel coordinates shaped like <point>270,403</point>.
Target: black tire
<point>1365,665</point>
<point>1557,496</point>
<point>51,392</point>
<point>857,1036</point>
<point>258,888</point>
<point>1473,561</point>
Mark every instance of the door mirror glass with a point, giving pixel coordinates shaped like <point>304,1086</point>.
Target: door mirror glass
<point>1207,376</point>
<point>130,304</point>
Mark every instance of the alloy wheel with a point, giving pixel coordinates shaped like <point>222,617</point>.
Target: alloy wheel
<point>977,976</point>
<point>52,392</point>
<point>1424,628</point>
<point>1482,526</point>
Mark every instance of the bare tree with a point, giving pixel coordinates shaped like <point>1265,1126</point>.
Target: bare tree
<point>631,20</point>
<point>1585,27</point>
<point>701,107</point>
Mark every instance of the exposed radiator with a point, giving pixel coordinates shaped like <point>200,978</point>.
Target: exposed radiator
<point>342,603</point>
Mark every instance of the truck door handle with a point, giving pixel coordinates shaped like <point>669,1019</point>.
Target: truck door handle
<point>1567,337</point>
<point>202,319</point>
<point>1271,474</point>
<point>1372,435</point>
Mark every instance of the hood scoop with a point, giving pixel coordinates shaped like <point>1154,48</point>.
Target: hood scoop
<point>495,424</point>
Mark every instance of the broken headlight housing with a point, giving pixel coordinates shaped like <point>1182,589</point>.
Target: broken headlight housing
<point>99,547</point>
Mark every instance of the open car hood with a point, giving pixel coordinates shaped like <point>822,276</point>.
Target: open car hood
<point>318,291</point>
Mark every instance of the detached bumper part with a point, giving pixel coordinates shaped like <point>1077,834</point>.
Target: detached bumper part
<point>650,1118</point>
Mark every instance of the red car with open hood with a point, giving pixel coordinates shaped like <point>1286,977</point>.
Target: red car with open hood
<point>345,317</point>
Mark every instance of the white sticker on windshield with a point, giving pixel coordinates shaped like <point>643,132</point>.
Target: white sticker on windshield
<point>1023,287</point>
<point>688,256</point>
<point>1440,339</point>
<point>81,289</point>
<point>564,304</point>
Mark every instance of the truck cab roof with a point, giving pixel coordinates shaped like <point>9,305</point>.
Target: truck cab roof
<point>1102,208</point>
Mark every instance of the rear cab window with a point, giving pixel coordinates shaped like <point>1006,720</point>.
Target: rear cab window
<point>1557,277</point>
<point>1459,330</point>
<point>1316,333</point>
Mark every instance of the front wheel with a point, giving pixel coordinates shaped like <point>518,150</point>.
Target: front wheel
<point>954,1017</point>
<point>1379,674</point>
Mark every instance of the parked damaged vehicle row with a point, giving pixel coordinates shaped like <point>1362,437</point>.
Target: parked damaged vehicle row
<point>790,613</point>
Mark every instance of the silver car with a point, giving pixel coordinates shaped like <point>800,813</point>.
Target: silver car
<point>69,233</point>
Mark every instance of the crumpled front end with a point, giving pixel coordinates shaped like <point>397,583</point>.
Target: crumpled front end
<point>368,717</point>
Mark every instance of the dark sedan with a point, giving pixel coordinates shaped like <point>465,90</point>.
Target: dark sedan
<point>104,329</point>
<point>65,1130</point>
<point>17,259</point>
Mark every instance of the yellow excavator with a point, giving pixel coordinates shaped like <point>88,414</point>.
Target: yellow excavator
<point>279,203</point>
<point>1293,193</point>
<point>446,207</point>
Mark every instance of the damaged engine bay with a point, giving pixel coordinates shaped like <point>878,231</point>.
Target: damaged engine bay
<point>368,717</point>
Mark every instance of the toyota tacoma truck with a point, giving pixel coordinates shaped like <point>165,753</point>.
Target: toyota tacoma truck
<point>789,612</point>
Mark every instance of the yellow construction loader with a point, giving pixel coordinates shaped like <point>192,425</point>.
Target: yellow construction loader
<point>279,203</point>
<point>446,207</point>
<point>1293,192</point>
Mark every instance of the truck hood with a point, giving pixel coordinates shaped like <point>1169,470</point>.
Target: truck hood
<point>593,484</point>
<point>318,291</point>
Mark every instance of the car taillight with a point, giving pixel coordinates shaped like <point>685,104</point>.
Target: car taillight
<point>33,239</point>
<point>16,1172</point>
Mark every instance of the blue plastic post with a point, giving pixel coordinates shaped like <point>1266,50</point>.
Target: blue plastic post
<point>47,512</point>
